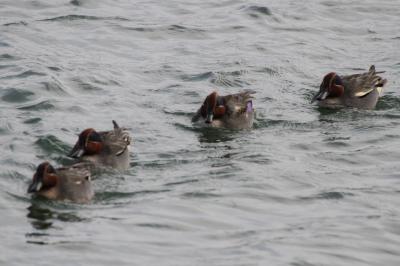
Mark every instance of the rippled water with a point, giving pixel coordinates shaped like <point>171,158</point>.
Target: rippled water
<point>305,187</point>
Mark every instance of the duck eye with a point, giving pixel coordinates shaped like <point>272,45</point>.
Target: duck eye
<point>337,80</point>
<point>51,170</point>
<point>94,136</point>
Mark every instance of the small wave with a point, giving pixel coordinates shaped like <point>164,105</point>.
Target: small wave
<point>23,23</point>
<point>268,70</point>
<point>388,102</point>
<point>197,77</point>
<point>4,57</point>
<point>14,95</point>
<point>228,79</point>
<point>140,29</point>
<point>256,159</point>
<point>40,220</point>
<point>43,217</point>
<point>82,17</point>
<point>105,81</point>
<point>302,263</point>
<point>330,195</point>
<point>239,27</point>
<point>5,127</point>
<point>57,69</point>
<point>215,135</point>
<point>295,29</point>
<point>69,217</point>
<point>337,142</point>
<point>164,162</point>
<point>42,105</point>
<point>176,30</point>
<point>15,176</point>
<point>181,182</point>
<point>257,11</point>
<point>112,195</point>
<point>75,2</point>
<point>34,120</point>
<point>4,44</point>
<point>167,110</point>
<point>51,144</point>
<point>185,127</point>
<point>201,195</point>
<point>6,66</point>
<point>180,28</point>
<point>287,124</point>
<point>24,74</point>
<point>87,85</point>
<point>55,86</point>
<point>158,226</point>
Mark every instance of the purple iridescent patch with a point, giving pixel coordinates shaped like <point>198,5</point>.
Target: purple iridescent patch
<point>249,106</point>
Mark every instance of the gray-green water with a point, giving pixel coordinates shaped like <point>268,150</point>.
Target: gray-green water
<point>304,187</point>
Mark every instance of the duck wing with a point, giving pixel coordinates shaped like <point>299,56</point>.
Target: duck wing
<point>359,85</point>
<point>75,182</point>
<point>75,174</point>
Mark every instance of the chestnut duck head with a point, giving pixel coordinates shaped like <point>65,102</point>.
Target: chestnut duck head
<point>213,107</point>
<point>44,178</point>
<point>90,142</point>
<point>331,86</point>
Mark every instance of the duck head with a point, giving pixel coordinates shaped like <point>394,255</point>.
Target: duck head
<point>331,86</point>
<point>44,178</point>
<point>90,142</point>
<point>213,107</point>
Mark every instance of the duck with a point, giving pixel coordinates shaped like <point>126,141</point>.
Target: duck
<point>233,111</point>
<point>360,91</point>
<point>103,148</point>
<point>71,183</point>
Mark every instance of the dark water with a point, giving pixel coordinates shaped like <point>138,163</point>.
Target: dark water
<point>304,187</point>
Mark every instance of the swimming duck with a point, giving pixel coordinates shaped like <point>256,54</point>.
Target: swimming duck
<point>105,148</point>
<point>233,111</point>
<point>65,183</point>
<point>358,90</point>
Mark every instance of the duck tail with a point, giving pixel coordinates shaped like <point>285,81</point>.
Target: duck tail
<point>247,95</point>
<point>249,92</point>
<point>378,82</point>
<point>115,124</point>
<point>372,70</point>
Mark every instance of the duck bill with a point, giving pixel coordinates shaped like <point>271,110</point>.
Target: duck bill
<point>35,186</point>
<point>320,96</point>
<point>76,151</point>
<point>209,118</point>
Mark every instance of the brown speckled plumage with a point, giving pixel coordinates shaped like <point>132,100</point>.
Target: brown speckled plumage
<point>358,90</point>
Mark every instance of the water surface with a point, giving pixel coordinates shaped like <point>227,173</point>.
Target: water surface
<point>305,187</point>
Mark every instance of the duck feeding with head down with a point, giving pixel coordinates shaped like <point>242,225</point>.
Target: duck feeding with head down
<point>233,111</point>
<point>357,90</point>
